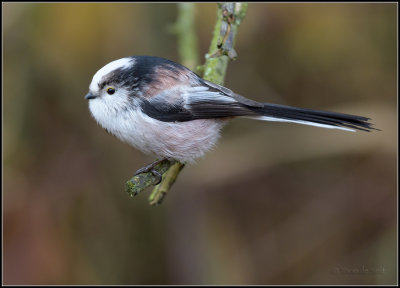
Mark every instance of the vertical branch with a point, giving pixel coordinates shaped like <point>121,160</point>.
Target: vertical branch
<point>185,30</point>
<point>168,180</point>
<point>229,17</point>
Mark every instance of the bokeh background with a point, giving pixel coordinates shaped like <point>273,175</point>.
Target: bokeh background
<point>274,203</point>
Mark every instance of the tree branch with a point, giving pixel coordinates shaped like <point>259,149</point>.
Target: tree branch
<point>139,182</point>
<point>229,17</point>
<point>161,189</point>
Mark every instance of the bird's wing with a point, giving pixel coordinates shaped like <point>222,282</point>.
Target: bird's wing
<point>191,103</point>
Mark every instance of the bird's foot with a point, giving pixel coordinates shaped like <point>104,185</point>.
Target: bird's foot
<point>150,169</point>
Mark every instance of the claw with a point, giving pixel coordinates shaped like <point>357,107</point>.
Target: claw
<point>157,175</point>
<point>150,169</point>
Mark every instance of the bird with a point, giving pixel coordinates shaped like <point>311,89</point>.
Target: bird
<point>168,111</point>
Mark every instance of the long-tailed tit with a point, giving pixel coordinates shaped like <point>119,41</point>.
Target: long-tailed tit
<point>164,109</point>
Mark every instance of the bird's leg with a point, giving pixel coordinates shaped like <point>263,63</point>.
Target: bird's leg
<point>150,169</point>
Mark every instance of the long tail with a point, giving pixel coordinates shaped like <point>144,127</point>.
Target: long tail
<point>281,113</point>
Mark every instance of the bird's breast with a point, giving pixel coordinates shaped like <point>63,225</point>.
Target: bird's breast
<point>183,141</point>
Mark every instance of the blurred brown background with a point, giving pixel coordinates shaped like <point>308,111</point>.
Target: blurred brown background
<point>274,203</point>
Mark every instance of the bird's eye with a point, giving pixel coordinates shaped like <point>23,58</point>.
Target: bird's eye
<point>110,90</point>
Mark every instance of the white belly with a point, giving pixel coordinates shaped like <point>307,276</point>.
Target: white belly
<point>182,141</point>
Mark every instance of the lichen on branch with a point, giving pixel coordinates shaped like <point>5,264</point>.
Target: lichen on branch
<point>229,18</point>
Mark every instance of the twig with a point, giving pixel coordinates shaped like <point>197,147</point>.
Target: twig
<point>229,18</point>
<point>169,178</point>
<point>139,182</point>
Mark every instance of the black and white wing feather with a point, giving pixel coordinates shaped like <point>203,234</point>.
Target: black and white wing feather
<point>214,101</point>
<point>193,103</point>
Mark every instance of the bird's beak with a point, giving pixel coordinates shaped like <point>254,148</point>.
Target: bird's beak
<point>89,96</point>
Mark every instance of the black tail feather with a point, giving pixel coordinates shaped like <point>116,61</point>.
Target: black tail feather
<point>315,116</point>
